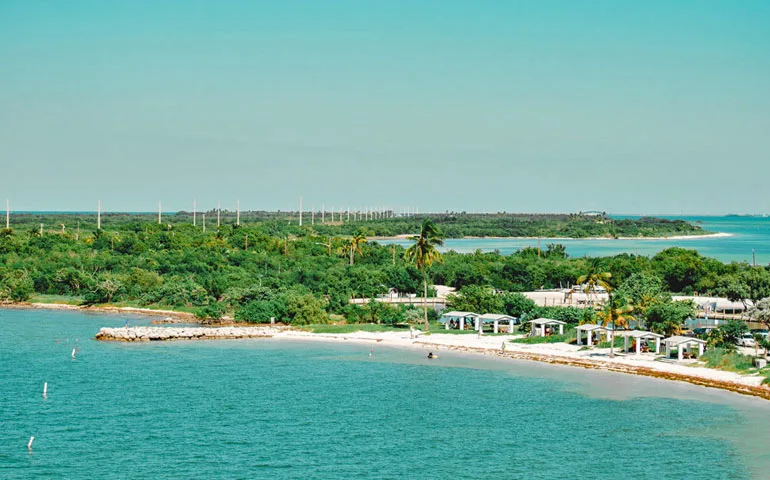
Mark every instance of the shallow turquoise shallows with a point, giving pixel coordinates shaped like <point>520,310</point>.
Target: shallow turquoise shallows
<point>749,242</point>
<point>276,409</point>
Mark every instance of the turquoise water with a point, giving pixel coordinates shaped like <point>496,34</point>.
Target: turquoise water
<point>275,409</point>
<point>750,236</point>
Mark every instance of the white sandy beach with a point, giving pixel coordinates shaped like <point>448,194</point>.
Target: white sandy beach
<point>546,352</point>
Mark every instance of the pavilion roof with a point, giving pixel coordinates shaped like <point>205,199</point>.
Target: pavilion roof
<point>590,327</point>
<point>547,321</point>
<point>496,316</point>
<point>679,340</point>
<point>639,334</point>
<point>459,314</point>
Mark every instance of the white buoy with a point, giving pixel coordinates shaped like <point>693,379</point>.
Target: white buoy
<point>45,389</point>
<point>74,350</point>
<point>29,445</point>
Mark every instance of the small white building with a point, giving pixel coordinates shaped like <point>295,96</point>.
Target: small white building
<point>591,329</point>
<point>455,319</point>
<point>639,336</point>
<point>546,322</point>
<point>495,319</point>
<point>683,344</point>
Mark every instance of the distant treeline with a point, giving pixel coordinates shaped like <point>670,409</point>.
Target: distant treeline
<point>453,225</point>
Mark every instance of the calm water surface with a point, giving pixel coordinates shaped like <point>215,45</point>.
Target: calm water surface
<point>750,236</point>
<point>274,409</point>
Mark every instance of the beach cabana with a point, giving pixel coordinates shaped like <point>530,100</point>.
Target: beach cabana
<point>495,319</point>
<point>457,318</point>
<point>546,322</point>
<point>591,329</point>
<point>638,336</point>
<point>683,344</point>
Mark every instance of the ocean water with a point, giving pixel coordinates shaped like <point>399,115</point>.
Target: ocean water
<point>750,239</point>
<point>275,409</point>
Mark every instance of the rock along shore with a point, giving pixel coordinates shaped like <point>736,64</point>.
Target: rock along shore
<point>151,334</point>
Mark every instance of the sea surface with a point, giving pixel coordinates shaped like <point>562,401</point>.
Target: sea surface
<point>276,409</point>
<point>749,241</point>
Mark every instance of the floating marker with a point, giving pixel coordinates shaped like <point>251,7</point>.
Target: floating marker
<point>74,350</point>
<point>45,389</point>
<point>29,445</point>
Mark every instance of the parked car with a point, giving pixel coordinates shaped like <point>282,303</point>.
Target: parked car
<point>760,331</point>
<point>701,332</point>
<point>747,340</point>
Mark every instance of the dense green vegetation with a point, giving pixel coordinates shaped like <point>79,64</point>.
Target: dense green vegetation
<point>270,268</point>
<point>453,225</point>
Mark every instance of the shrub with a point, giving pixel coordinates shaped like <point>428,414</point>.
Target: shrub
<point>725,359</point>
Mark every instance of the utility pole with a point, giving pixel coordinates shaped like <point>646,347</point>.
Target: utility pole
<point>98,217</point>
<point>323,213</point>
<point>7,214</point>
<point>348,214</point>
<point>238,213</point>
<point>159,212</point>
<point>300,210</point>
<point>312,216</point>
<point>219,209</point>
<point>204,223</point>
<point>194,211</point>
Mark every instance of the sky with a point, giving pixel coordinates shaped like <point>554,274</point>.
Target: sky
<point>518,106</point>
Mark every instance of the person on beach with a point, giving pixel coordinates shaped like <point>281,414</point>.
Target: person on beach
<point>411,332</point>
<point>126,325</point>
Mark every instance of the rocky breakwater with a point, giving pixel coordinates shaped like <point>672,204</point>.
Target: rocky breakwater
<point>150,334</point>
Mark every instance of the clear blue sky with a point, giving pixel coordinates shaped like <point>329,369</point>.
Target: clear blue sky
<point>537,106</point>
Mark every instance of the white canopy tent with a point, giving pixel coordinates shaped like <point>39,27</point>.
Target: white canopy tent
<point>640,335</point>
<point>495,319</point>
<point>683,344</point>
<point>590,329</point>
<point>457,318</point>
<point>546,322</point>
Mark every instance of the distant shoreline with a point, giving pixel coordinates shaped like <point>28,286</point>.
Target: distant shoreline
<point>673,237</point>
<point>147,312</point>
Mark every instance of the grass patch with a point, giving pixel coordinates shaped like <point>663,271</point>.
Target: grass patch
<point>57,299</point>
<point>618,343</point>
<point>351,328</point>
<point>721,359</point>
<point>568,337</point>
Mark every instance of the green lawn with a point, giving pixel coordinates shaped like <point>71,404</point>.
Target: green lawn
<point>57,299</point>
<point>351,328</point>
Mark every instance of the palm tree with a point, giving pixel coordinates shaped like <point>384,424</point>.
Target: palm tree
<point>355,245</point>
<point>422,254</point>
<point>593,279</point>
<point>616,313</point>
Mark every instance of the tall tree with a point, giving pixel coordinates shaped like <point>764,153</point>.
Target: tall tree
<point>761,312</point>
<point>355,245</point>
<point>595,278</point>
<point>423,254</point>
<point>616,313</point>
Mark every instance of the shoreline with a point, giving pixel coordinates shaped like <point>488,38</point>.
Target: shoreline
<point>596,359</point>
<point>558,354</point>
<point>148,312</point>
<point>472,237</point>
